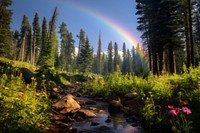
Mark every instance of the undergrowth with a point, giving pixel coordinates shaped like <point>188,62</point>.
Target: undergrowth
<point>22,107</point>
<point>157,93</point>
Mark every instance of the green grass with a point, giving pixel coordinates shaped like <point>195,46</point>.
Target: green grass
<point>19,64</point>
<point>22,107</point>
<point>157,93</point>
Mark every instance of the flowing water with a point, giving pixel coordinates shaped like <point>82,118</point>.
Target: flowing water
<point>105,122</point>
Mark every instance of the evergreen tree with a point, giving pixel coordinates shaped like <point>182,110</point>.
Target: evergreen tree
<point>35,50</point>
<point>70,53</point>
<point>25,42</point>
<point>48,58</point>
<point>99,56</point>
<point>110,57</point>
<point>116,57</point>
<point>190,32</point>
<point>128,62</point>
<point>5,34</point>
<point>94,64</point>
<point>67,49</point>
<point>197,34</point>
<point>15,43</point>
<point>29,45</point>
<point>54,52</point>
<point>124,58</point>
<point>63,48</point>
<point>86,57</point>
<point>134,59</point>
<point>44,42</point>
<point>105,64</point>
<point>81,43</point>
<point>164,15</point>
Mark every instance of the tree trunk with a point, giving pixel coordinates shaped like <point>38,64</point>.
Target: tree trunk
<point>171,58</point>
<point>190,32</point>
<point>160,63</point>
<point>22,49</point>
<point>174,58</point>
<point>187,36</point>
<point>34,45</point>
<point>155,62</point>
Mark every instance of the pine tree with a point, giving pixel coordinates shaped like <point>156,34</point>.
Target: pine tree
<point>134,59</point>
<point>25,46</point>
<point>164,15</point>
<point>48,58</point>
<point>99,56</point>
<point>128,62</point>
<point>81,43</point>
<point>197,34</point>
<point>44,42</point>
<point>63,46</point>
<point>15,43</point>
<point>35,50</point>
<point>105,64</point>
<point>94,65</point>
<point>29,45</point>
<point>55,48</point>
<point>70,53</point>
<point>110,58</point>
<point>86,57</point>
<point>116,60</point>
<point>124,58</point>
<point>190,31</point>
<point>5,34</point>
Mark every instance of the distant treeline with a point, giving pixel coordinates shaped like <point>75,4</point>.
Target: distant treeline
<point>39,45</point>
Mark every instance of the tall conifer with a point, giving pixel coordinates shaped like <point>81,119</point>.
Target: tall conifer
<point>5,20</point>
<point>35,50</point>
<point>110,57</point>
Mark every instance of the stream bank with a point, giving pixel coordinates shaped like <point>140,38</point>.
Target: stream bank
<point>74,113</point>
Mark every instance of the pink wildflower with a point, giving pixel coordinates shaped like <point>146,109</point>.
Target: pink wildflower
<point>173,112</point>
<point>186,110</point>
<point>178,110</point>
<point>170,106</point>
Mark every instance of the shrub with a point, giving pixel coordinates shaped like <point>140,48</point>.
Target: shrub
<point>22,108</point>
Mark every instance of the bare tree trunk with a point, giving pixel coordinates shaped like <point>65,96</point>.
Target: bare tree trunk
<point>171,58</point>
<point>22,49</point>
<point>174,57</point>
<point>34,45</point>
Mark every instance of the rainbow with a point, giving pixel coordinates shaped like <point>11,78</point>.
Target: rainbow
<point>127,37</point>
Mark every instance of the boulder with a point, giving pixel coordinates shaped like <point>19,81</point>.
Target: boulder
<point>115,105</point>
<point>131,95</point>
<point>57,90</point>
<point>132,105</point>
<point>67,104</point>
<point>28,76</point>
<point>84,113</point>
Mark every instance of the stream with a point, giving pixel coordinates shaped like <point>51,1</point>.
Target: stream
<point>107,122</point>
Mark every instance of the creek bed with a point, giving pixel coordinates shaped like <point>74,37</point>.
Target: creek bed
<point>106,122</point>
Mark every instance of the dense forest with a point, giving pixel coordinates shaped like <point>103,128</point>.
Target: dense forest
<point>170,33</point>
<point>45,80</point>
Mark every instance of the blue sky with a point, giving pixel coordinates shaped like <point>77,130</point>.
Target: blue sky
<point>79,14</point>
